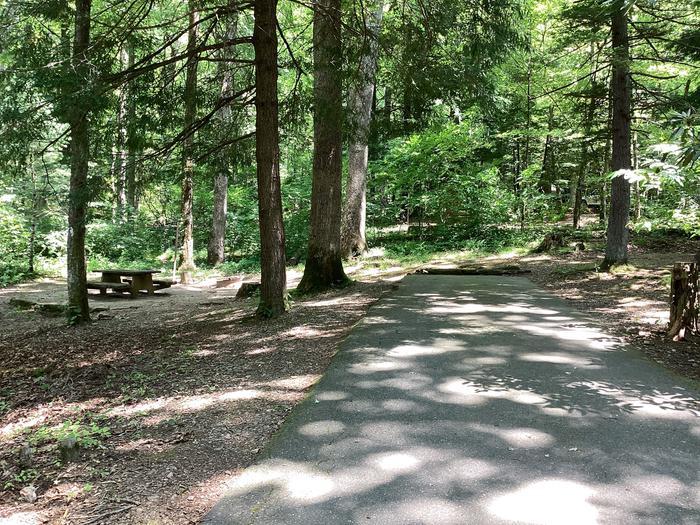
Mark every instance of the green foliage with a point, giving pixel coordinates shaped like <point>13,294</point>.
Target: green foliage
<point>23,477</point>
<point>87,434</point>
<point>134,244</point>
<point>14,247</point>
<point>438,177</point>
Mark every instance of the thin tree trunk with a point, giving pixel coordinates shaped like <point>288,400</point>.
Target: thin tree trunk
<point>131,190</point>
<point>360,99</point>
<point>618,230</point>
<point>121,151</point>
<point>604,190</point>
<point>215,251</point>
<point>528,114</point>
<point>34,217</point>
<point>78,309</point>
<point>637,186</point>
<point>187,266</point>
<point>324,266</point>
<point>585,144</point>
<point>547,175</point>
<point>273,286</point>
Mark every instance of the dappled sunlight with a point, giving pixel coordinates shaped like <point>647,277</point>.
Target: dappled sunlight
<point>297,383</point>
<point>594,338</point>
<point>429,418</point>
<point>547,502</point>
<point>187,404</point>
<point>298,482</point>
<point>397,462</point>
<point>652,403</point>
<point>379,365</point>
<point>421,509</point>
<point>440,346</point>
<point>322,429</point>
<point>23,518</point>
<point>332,395</point>
<point>558,358</point>
<point>527,438</point>
<point>22,425</point>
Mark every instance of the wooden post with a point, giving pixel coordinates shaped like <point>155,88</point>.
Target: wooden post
<point>685,300</point>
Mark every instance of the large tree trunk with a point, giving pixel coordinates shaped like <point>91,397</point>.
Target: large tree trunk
<point>187,266</point>
<point>78,309</point>
<point>273,289</point>
<point>324,266</point>
<point>215,252</point>
<point>618,219</point>
<point>360,98</point>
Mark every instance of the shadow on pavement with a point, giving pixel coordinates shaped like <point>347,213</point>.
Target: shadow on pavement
<point>480,400</point>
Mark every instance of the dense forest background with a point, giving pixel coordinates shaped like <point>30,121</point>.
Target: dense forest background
<point>476,123</point>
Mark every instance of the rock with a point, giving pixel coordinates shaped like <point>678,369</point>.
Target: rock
<point>26,455</point>
<point>248,290</point>
<point>68,446</point>
<point>29,493</point>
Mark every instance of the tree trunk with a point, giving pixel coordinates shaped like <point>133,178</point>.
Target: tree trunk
<point>216,252</point>
<point>187,266</point>
<point>121,149</point>
<point>273,289</point>
<point>585,144</point>
<point>580,187</point>
<point>618,220</point>
<point>360,99</point>
<point>685,301</point>
<point>547,175</point>
<point>78,197</point>
<point>324,266</point>
<point>130,175</point>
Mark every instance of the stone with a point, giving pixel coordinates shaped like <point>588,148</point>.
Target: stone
<point>26,456</point>
<point>68,446</point>
<point>29,493</point>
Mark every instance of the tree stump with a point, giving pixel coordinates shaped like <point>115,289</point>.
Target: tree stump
<point>552,241</point>
<point>685,300</point>
<point>247,290</point>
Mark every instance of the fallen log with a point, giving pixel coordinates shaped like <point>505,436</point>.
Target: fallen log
<point>685,301</point>
<point>507,271</point>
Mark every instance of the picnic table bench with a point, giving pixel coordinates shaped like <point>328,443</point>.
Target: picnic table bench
<point>131,281</point>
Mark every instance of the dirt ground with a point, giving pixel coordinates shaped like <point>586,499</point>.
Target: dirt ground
<point>173,395</point>
<point>170,395</point>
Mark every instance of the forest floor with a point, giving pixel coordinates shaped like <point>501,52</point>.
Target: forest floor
<point>170,396</point>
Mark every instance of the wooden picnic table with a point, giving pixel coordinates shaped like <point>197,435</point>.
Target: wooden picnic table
<point>133,281</point>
